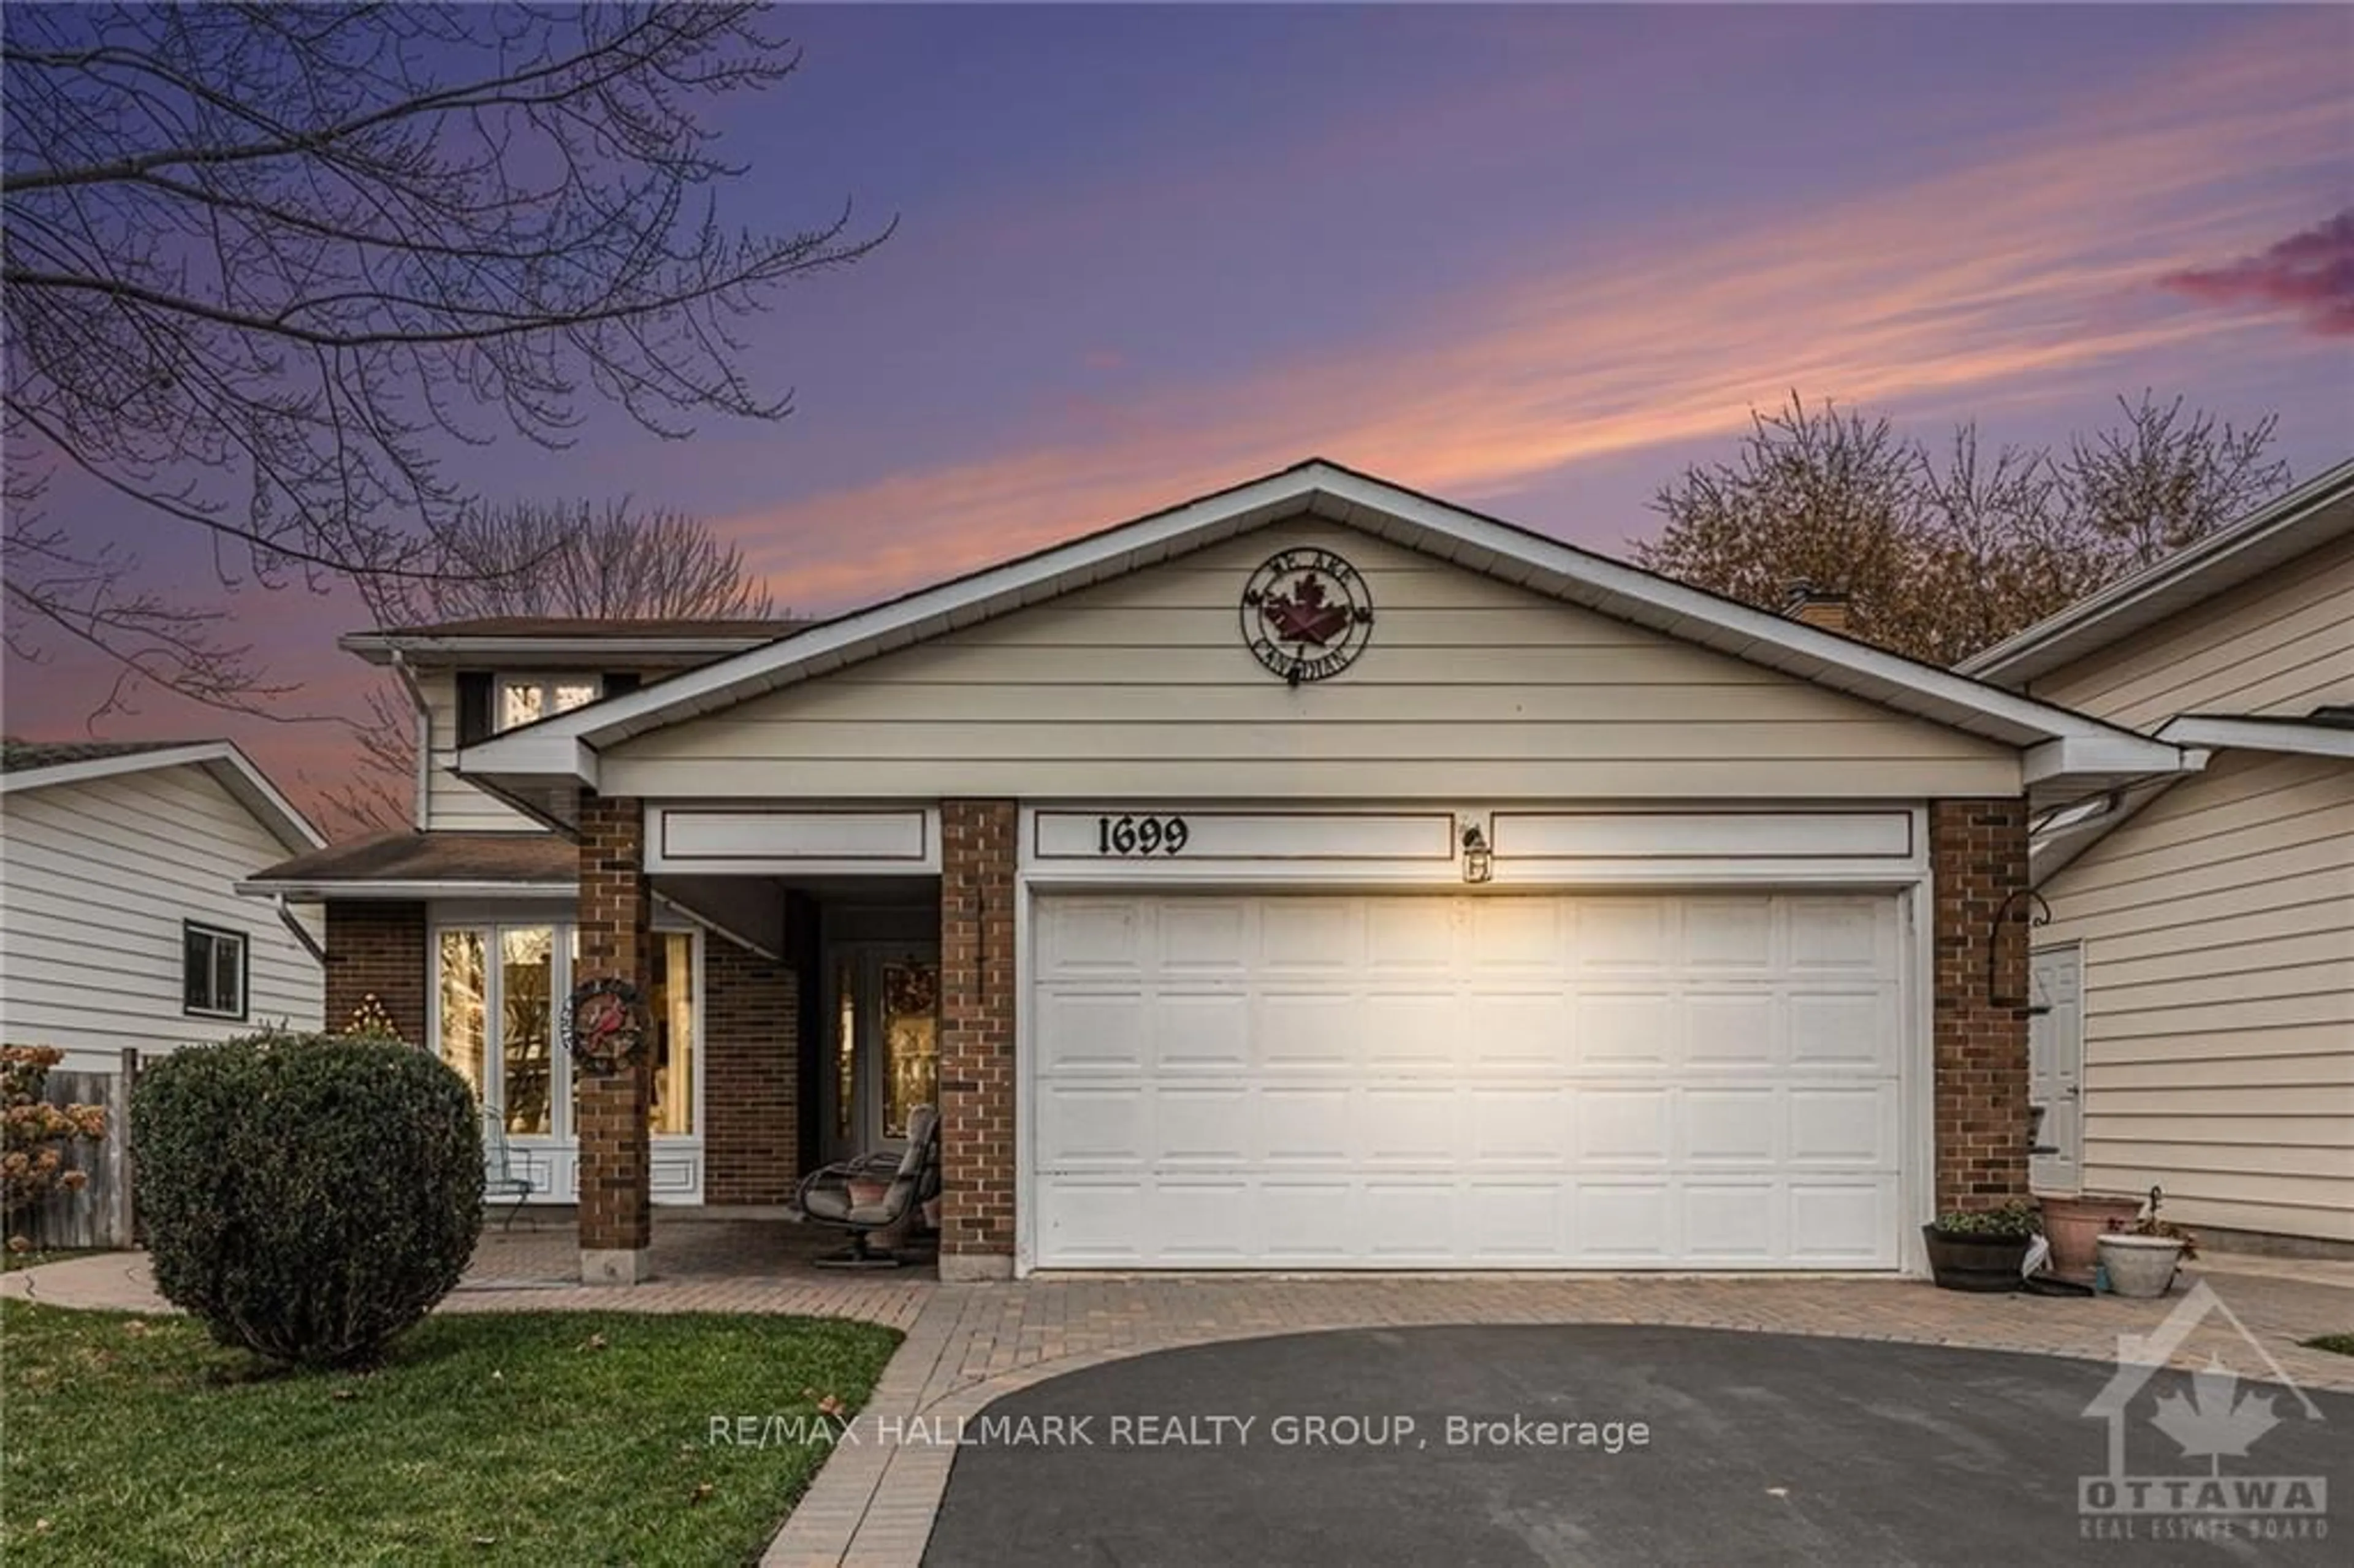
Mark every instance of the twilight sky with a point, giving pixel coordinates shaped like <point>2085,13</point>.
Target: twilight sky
<point>1534,260</point>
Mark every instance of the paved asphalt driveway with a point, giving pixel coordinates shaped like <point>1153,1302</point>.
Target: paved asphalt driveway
<point>1761,1449</point>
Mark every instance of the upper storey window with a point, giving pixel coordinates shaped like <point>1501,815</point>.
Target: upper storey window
<point>524,699</point>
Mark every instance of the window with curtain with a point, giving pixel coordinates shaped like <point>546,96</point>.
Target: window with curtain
<point>525,699</point>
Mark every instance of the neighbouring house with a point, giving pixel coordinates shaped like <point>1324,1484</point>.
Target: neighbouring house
<point>2196,977</point>
<point>120,927</point>
<point>1313,874</point>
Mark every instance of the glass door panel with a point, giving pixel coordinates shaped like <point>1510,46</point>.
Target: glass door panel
<point>910,1068</point>
<point>526,979</point>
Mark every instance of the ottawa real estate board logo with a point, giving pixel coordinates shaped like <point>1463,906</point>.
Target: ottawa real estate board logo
<point>2219,1422</point>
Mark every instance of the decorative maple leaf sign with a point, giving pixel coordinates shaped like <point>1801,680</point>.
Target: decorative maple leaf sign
<point>1303,616</point>
<point>2213,1423</point>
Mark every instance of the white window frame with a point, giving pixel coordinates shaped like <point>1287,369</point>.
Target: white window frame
<point>545,682</point>
<point>492,1089</point>
<point>244,1007</point>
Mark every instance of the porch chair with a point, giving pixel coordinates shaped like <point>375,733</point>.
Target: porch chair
<point>907,1178</point>
<point>501,1179</point>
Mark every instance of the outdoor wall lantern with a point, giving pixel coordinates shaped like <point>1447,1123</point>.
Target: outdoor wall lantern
<point>1479,861</point>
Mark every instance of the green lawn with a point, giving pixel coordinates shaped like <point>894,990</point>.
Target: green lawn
<point>541,1437</point>
<point>2342,1343</point>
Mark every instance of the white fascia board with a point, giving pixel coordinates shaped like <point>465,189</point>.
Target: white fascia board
<point>227,765</point>
<point>1476,542</point>
<point>592,652</point>
<point>2107,755</point>
<point>538,751</point>
<point>2078,631</point>
<point>2259,734</point>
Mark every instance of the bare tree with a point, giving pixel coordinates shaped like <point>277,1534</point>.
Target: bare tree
<point>1943,554</point>
<point>567,558</point>
<point>2167,478</point>
<point>577,559</point>
<point>266,266</point>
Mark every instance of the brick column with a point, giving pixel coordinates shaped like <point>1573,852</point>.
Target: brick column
<point>751,1048</point>
<point>1977,852</point>
<point>377,949</point>
<point>977,860</point>
<point>616,1171</point>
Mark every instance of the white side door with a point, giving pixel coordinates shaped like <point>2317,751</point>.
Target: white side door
<point>2055,1044</point>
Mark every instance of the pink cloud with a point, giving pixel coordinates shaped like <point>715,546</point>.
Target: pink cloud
<point>2310,274</point>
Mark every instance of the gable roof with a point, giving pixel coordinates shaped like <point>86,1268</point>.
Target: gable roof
<point>2312,515</point>
<point>2063,745</point>
<point>41,765</point>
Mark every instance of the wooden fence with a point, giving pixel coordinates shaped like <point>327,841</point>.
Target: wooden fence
<point>101,1214</point>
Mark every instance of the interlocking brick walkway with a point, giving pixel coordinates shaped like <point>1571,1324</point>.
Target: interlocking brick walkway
<point>968,1345</point>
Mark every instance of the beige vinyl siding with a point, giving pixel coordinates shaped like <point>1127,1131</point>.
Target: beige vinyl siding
<point>2218,930</point>
<point>452,805</point>
<point>1470,687</point>
<point>2281,645</point>
<point>95,880</point>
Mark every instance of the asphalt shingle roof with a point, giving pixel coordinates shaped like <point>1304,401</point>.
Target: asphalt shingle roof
<point>22,756</point>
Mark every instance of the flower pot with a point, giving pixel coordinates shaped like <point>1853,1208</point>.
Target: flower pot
<point>2074,1225</point>
<point>1989,1263</point>
<point>2140,1266</point>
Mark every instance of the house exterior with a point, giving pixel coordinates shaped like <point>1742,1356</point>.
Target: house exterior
<point>1313,874</point>
<point>120,927</point>
<point>2199,959</point>
<point>463,928</point>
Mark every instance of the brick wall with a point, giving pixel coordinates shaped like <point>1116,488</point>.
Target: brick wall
<point>977,846</point>
<point>377,948</point>
<point>751,1047</point>
<point>1977,853</point>
<point>616,916</point>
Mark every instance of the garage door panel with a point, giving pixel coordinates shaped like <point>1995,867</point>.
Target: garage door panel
<point>1731,1126</point>
<point>1095,1032</point>
<point>1408,1125</point>
<point>1492,1081</point>
<point>1624,1222</point>
<point>1096,1126</point>
<point>1504,1030</point>
<point>1620,1028</point>
<point>1302,1124</point>
<point>1839,1028</point>
<point>1729,935</point>
<point>1620,1126</point>
<point>1734,1030</point>
<point>1732,1223</point>
<point>1855,1126</point>
<point>1199,1031</point>
<point>1521,1124</point>
<point>1197,1126</point>
<point>1840,1223</point>
<point>1412,1031</point>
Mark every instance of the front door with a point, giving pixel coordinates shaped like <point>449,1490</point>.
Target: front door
<point>2055,1048</point>
<point>884,1054</point>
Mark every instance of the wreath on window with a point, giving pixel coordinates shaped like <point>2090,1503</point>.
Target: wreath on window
<point>605,1024</point>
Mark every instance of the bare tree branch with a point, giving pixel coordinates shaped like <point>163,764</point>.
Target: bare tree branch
<point>266,267</point>
<point>1942,555</point>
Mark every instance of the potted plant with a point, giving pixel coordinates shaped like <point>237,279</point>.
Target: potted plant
<point>2139,1257</point>
<point>1981,1249</point>
<point>2073,1225</point>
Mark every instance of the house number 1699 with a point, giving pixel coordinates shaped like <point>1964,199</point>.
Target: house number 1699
<point>1141,835</point>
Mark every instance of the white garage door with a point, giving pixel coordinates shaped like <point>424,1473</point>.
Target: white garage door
<point>1490,1082</point>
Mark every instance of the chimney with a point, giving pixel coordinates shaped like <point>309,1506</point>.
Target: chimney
<point>1815,606</point>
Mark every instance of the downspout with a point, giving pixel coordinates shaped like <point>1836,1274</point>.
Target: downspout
<point>302,933</point>
<point>424,745</point>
